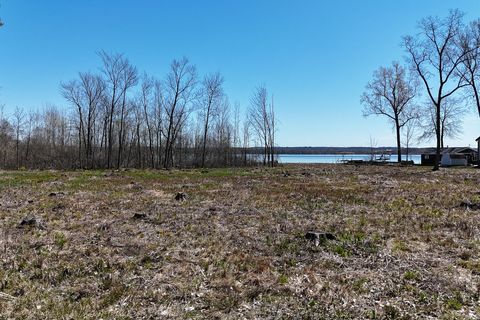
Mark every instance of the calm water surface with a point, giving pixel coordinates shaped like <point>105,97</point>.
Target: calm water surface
<point>335,158</point>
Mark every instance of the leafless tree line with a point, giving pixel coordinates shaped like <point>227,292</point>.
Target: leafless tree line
<point>262,119</point>
<point>443,64</point>
<point>120,118</point>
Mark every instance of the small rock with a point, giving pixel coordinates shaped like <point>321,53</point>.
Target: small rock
<point>140,216</point>
<point>467,204</point>
<point>212,211</point>
<point>135,186</point>
<point>181,196</point>
<point>54,194</point>
<point>104,227</point>
<point>32,221</point>
<point>316,237</point>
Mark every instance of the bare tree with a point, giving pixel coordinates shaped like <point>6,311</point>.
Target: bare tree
<point>272,132</point>
<point>55,136</point>
<point>18,124</point>
<point>179,86</point>
<point>223,133</point>
<point>236,132</point>
<point>158,107</point>
<point>113,70</point>
<point>30,125</point>
<point>246,140</point>
<point>451,114</point>
<point>86,95</point>
<point>391,94</point>
<point>32,143</point>
<point>470,43</point>
<point>112,122</point>
<point>409,132</point>
<point>129,78</point>
<point>6,137</point>
<point>212,95</point>
<point>146,101</point>
<point>136,140</point>
<point>436,56</point>
<point>262,119</point>
<point>373,146</point>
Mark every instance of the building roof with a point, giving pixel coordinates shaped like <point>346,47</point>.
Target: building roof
<point>459,150</point>
<point>454,150</point>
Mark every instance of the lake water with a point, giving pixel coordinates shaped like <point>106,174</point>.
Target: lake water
<point>335,158</point>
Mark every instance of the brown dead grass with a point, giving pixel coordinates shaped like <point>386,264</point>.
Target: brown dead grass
<point>236,249</point>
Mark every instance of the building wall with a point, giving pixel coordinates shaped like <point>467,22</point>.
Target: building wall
<point>478,151</point>
<point>452,160</point>
<point>429,159</point>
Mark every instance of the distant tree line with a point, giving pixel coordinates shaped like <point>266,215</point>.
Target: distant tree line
<point>121,118</point>
<point>428,97</point>
<point>339,150</point>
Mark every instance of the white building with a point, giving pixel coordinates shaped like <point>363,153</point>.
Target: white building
<point>453,159</point>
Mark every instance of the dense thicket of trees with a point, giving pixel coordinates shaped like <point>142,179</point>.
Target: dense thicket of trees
<point>120,118</point>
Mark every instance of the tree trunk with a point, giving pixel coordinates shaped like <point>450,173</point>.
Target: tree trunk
<point>120,134</point>
<point>477,97</point>
<point>399,146</point>
<point>437,132</point>
<point>110,131</point>
<point>80,145</point>
<point>204,142</point>
<point>166,161</point>
<point>442,133</point>
<point>27,151</point>
<point>17,152</point>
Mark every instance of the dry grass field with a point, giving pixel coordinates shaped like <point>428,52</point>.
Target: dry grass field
<point>118,245</point>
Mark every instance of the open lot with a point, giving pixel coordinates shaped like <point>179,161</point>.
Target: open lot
<point>118,245</point>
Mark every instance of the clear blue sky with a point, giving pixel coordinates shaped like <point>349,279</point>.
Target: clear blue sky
<point>314,56</point>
